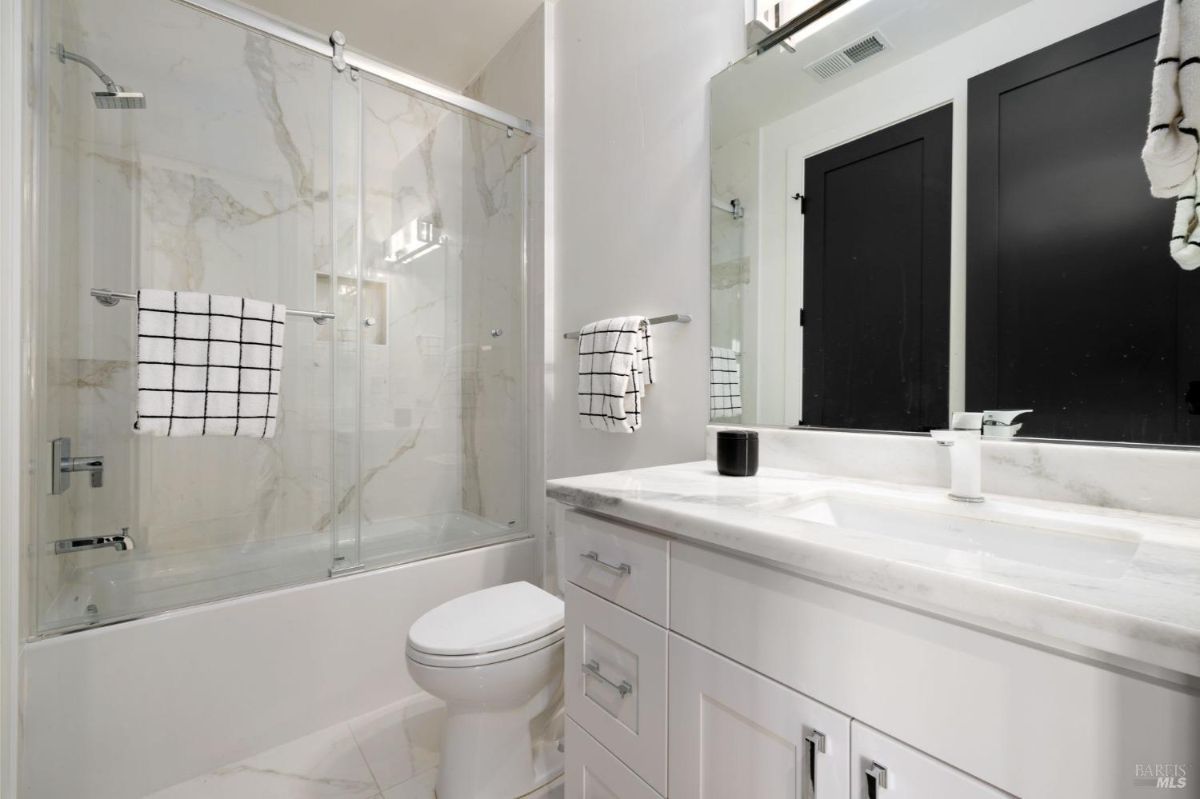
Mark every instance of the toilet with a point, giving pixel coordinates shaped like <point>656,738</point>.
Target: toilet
<point>495,657</point>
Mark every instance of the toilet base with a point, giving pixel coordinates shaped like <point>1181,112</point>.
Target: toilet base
<point>493,755</point>
<point>497,717</point>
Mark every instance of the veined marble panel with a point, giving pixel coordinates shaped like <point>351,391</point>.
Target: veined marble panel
<point>219,185</point>
<point>1144,479</point>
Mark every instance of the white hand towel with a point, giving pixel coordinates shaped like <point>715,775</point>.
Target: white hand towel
<point>1185,233</point>
<point>615,366</point>
<point>207,365</point>
<point>1170,152</point>
<point>725,384</point>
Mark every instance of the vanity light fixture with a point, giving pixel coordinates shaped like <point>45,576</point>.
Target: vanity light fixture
<point>416,239</point>
<point>817,17</point>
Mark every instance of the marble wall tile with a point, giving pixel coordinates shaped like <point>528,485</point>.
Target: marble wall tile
<point>220,185</point>
<point>241,177</point>
<point>1133,478</point>
<point>502,206</point>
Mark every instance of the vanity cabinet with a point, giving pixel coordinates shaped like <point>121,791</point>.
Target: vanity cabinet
<point>883,768</point>
<point>737,733</point>
<point>774,685</point>
<point>593,772</point>
<point>616,682</point>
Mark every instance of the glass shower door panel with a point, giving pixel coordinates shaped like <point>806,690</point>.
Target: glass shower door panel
<point>442,403</point>
<point>342,285</point>
<point>220,185</point>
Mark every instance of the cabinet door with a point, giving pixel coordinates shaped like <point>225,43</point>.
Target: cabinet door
<point>594,773</point>
<point>616,682</point>
<point>737,733</point>
<point>884,768</point>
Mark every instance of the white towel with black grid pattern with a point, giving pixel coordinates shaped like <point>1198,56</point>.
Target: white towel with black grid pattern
<point>615,367</point>
<point>724,383</point>
<point>207,365</point>
<point>1170,152</point>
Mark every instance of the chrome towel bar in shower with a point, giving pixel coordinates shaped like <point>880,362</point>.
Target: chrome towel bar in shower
<point>682,318</point>
<point>110,298</point>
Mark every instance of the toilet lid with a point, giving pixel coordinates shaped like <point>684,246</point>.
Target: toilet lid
<point>495,618</point>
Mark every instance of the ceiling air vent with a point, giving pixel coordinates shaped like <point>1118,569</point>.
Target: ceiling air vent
<point>842,59</point>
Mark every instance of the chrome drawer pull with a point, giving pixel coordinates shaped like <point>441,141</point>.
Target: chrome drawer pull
<point>592,667</point>
<point>877,778</point>
<point>814,743</point>
<point>623,569</point>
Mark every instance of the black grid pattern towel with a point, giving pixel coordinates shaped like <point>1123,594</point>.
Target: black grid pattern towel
<point>615,366</point>
<point>725,384</point>
<point>207,365</point>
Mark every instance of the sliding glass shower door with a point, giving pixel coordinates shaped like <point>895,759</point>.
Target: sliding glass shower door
<point>257,169</point>
<point>439,439</point>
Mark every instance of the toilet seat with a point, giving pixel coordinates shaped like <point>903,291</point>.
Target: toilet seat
<point>483,658</point>
<point>488,626</point>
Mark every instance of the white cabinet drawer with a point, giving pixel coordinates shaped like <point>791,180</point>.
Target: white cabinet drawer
<point>616,682</point>
<point>883,768</point>
<point>737,733</point>
<point>627,566</point>
<point>593,772</point>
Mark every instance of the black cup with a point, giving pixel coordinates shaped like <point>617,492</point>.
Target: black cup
<point>737,453</point>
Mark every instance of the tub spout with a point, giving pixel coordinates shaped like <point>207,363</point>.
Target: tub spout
<point>121,542</point>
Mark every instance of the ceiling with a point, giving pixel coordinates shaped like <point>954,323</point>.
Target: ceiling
<point>761,89</point>
<point>446,41</point>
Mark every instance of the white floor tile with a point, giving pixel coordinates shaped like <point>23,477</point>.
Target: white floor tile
<point>421,787</point>
<point>324,765</point>
<point>401,741</point>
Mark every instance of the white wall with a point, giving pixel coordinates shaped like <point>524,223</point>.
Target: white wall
<point>919,84</point>
<point>630,136</point>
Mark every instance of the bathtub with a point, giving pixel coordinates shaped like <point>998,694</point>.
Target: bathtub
<point>119,711</point>
<point>140,583</point>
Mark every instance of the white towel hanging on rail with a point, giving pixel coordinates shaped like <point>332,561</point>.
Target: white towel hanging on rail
<point>724,383</point>
<point>615,366</point>
<point>1170,152</point>
<point>207,365</point>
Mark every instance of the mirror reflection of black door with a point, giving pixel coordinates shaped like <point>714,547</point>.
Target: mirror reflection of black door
<point>877,279</point>
<point>1075,307</point>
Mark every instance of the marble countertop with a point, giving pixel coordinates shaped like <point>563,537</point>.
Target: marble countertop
<point>1144,616</point>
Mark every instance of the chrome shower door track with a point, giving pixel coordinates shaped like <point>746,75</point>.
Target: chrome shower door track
<point>295,35</point>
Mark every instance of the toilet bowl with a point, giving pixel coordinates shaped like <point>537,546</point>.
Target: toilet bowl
<point>495,657</point>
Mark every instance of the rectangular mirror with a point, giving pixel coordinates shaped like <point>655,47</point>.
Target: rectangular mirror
<point>922,208</point>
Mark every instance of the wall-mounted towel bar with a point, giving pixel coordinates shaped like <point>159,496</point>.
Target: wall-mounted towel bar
<point>110,298</point>
<point>682,318</point>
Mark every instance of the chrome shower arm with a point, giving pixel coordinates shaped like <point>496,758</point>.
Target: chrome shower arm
<point>65,55</point>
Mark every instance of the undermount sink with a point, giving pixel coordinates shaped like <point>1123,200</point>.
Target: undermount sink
<point>1065,541</point>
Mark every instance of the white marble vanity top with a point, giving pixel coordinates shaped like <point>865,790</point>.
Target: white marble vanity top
<point>1131,599</point>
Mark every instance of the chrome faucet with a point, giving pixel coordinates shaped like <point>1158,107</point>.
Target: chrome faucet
<point>122,542</point>
<point>966,458</point>
<point>63,465</point>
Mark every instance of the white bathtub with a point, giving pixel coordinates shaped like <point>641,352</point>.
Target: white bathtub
<point>138,583</point>
<point>119,711</point>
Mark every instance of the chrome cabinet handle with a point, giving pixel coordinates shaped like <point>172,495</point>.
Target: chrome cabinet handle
<point>877,777</point>
<point>592,667</point>
<point>623,569</point>
<point>814,743</point>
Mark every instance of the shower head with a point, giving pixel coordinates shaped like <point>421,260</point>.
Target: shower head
<point>119,99</point>
<point>113,96</point>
